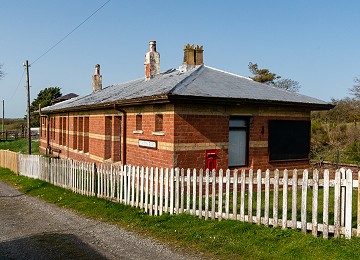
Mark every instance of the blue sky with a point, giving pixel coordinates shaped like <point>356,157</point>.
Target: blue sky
<point>313,42</point>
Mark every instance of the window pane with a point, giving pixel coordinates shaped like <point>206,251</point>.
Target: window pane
<point>138,122</point>
<point>237,147</point>
<point>289,139</point>
<point>237,123</point>
<point>158,122</point>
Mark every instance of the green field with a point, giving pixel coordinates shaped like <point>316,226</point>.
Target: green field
<point>20,145</point>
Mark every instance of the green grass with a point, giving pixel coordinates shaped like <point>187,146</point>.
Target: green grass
<point>20,145</point>
<point>222,240</point>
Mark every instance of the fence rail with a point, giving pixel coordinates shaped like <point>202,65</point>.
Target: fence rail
<point>323,203</point>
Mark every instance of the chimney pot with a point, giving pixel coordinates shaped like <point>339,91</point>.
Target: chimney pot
<point>189,54</point>
<point>152,61</point>
<point>199,58</point>
<point>96,79</point>
<point>97,69</point>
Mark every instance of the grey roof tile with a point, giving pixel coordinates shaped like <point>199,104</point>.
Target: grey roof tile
<point>200,82</point>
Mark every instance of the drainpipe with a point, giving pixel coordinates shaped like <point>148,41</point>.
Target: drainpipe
<point>47,133</point>
<point>123,150</point>
<point>68,134</point>
<point>47,129</point>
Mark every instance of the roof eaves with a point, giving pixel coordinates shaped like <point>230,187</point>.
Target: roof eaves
<point>213,100</point>
<point>136,101</point>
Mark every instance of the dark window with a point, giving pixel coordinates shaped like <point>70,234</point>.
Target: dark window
<point>80,141</point>
<point>238,141</point>
<point>60,131</point>
<point>75,135</point>
<point>138,122</point>
<point>86,134</point>
<point>116,143</point>
<point>64,131</point>
<point>158,122</point>
<point>108,137</point>
<point>289,139</point>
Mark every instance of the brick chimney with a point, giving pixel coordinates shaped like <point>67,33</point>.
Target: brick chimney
<point>189,54</point>
<point>96,79</point>
<point>199,58</point>
<point>193,56</point>
<point>152,61</point>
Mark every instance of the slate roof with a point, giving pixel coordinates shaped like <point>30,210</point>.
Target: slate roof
<point>200,83</point>
<point>64,97</point>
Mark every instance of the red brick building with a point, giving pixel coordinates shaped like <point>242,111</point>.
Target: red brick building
<point>192,117</point>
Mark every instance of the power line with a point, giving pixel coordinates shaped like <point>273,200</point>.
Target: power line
<point>22,76</point>
<point>62,39</point>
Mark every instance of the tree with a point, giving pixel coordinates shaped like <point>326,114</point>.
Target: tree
<point>262,75</point>
<point>43,99</point>
<point>272,79</point>
<point>287,84</point>
<point>355,90</point>
<point>2,73</point>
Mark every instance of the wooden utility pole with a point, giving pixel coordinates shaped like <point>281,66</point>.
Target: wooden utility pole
<point>3,114</point>
<point>26,64</point>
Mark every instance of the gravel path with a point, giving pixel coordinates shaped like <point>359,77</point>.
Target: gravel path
<point>33,229</point>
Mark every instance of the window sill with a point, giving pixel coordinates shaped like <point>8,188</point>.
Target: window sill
<point>138,132</point>
<point>158,133</point>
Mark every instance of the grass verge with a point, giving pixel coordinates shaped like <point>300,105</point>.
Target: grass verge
<point>20,145</point>
<point>222,240</point>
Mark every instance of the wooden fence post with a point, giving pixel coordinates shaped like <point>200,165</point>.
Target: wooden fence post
<point>201,174</point>
<point>304,201</point>
<point>285,198</point>
<point>276,199</point>
<point>161,191</point>
<point>315,198</point>
<point>250,195</point>
<point>172,191</point>
<point>156,191</point>
<point>227,195</point>
<point>177,190</point>
<point>294,199</point>
<point>207,185</point>
<point>258,197</point>
<point>194,193</point>
<point>267,197</point>
<point>337,200</point>
<point>342,196</point>
<point>348,204</point>
<point>182,190</point>
<point>213,194</point>
<point>235,193</point>
<point>326,205</point>
<point>220,203</point>
<point>151,203</point>
<point>242,195</point>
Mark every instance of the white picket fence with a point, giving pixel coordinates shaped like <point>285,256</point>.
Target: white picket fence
<point>287,199</point>
<point>78,176</point>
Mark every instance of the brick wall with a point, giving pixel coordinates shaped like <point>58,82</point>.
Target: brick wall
<point>201,128</point>
<point>188,131</point>
<point>163,156</point>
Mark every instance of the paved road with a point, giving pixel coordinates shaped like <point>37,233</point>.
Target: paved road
<point>33,229</point>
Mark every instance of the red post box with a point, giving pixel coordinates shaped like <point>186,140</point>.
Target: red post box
<point>211,159</point>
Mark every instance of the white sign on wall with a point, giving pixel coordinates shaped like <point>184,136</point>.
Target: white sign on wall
<point>148,144</point>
